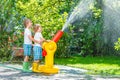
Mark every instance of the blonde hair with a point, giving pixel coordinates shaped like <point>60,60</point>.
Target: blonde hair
<point>36,27</point>
<point>26,21</point>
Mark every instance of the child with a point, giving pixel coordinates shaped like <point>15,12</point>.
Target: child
<point>27,44</point>
<point>37,49</point>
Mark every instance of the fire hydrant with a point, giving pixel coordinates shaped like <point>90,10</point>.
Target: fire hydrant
<point>50,47</point>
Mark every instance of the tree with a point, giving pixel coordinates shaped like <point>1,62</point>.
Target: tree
<point>8,20</point>
<point>51,14</point>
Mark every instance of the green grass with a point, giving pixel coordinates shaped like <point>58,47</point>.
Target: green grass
<point>94,65</point>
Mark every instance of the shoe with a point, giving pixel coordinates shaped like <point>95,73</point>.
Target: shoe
<point>26,67</point>
<point>35,66</point>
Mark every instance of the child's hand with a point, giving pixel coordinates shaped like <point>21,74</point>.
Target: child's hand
<point>43,39</point>
<point>32,44</point>
<point>47,40</point>
<point>40,41</point>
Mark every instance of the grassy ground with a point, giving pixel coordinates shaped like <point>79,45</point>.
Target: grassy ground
<point>95,65</point>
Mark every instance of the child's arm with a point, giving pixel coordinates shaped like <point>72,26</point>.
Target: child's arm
<point>31,38</point>
<point>44,40</point>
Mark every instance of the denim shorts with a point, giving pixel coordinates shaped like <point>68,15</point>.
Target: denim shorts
<point>27,49</point>
<point>37,52</point>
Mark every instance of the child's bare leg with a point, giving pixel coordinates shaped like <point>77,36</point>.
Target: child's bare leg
<point>26,58</point>
<point>37,61</point>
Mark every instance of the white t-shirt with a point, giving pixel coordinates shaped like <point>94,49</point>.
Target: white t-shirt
<point>27,33</point>
<point>38,36</point>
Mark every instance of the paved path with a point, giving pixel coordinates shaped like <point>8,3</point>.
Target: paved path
<point>9,72</point>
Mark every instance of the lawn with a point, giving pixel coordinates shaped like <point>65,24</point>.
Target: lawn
<point>95,65</point>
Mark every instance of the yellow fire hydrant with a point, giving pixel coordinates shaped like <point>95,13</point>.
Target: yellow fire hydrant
<point>50,48</point>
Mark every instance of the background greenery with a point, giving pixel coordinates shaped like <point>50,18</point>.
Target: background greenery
<point>82,38</point>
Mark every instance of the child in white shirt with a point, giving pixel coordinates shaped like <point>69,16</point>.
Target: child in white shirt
<point>37,49</point>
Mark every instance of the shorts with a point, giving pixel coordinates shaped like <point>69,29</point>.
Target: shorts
<point>37,52</point>
<point>27,49</point>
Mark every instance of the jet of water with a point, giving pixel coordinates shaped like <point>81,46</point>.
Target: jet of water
<point>79,12</point>
<point>111,27</point>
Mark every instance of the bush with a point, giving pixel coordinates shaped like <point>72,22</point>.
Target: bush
<point>8,20</point>
<point>117,45</point>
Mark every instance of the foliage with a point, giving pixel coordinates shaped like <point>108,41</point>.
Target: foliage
<point>91,38</point>
<point>63,49</point>
<point>117,45</point>
<point>83,37</point>
<point>109,65</point>
<point>88,33</point>
<point>51,15</point>
<point>8,20</point>
<point>45,13</point>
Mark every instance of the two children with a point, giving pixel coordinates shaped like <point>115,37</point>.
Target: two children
<point>38,39</point>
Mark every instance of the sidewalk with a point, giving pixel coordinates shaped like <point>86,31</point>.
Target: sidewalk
<point>13,72</point>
